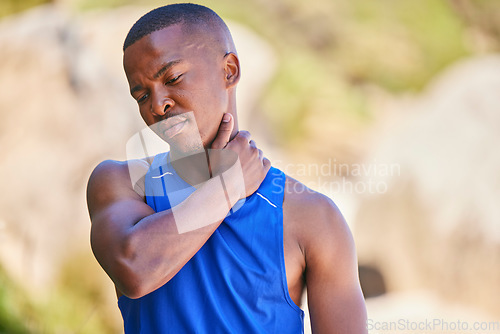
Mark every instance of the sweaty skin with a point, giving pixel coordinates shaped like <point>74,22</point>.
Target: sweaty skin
<point>171,72</point>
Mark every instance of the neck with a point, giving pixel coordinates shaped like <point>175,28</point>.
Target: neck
<point>194,166</point>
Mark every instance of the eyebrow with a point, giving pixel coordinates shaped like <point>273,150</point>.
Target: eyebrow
<point>164,68</point>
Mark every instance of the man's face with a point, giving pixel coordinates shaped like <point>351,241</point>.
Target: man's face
<point>174,76</point>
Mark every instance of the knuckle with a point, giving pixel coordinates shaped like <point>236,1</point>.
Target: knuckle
<point>254,152</point>
<point>241,140</point>
<point>245,134</point>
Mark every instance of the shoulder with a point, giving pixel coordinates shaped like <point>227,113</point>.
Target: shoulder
<point>314,218</point>
<point>110,173</point>
<point>108,169</point>
<point>112,179</point>
<point>113,169</point>
<point>311,206</point>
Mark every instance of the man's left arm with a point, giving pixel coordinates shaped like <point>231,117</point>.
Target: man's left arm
<point>335,300</point>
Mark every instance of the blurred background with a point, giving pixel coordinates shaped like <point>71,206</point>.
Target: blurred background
<point>391,108</point>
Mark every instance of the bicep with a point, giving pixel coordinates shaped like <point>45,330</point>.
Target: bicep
<point>114,209</point>
<point>112,224</point>
<point>336,303</point>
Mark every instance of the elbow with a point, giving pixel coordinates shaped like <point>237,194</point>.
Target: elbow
<point>136,282</point>
<point>133,275</point>
<point>122,266</point>
<point>123,256</point>
<point>128,276</point>
<point>132,291</point>
<point>135,289</point>
<point>130,282</point>
<point>138,276</point>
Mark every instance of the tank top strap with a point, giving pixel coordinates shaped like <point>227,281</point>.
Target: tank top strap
<point>272,188</point>
<point>160,160</point>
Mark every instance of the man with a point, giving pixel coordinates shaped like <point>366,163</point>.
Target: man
<point>185,253</point>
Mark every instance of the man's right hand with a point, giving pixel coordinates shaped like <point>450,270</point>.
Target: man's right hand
<point>226,152</point>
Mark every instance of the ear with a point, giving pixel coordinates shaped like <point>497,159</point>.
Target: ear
<point>231,69</point>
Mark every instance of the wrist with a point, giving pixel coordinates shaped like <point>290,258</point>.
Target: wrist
<point>234,183</point>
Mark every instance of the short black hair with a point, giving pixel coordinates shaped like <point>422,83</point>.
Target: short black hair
<point>163,17</point>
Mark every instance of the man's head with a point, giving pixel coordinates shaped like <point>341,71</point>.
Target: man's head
<point>180,60</point>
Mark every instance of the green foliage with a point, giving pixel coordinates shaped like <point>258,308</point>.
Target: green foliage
<point>76,304</point>
<point>12,306</point>
<point>329,52</point>
<point>401,45</point>
<point>8,7</point>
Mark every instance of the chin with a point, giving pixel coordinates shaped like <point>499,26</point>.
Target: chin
<point>185,146</point>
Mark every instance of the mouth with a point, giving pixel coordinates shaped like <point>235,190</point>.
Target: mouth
<point>173,125</point>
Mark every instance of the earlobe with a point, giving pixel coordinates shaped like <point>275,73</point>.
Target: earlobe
<point>231,69</point>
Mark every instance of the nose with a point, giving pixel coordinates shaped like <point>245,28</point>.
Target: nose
<point>161,106</point>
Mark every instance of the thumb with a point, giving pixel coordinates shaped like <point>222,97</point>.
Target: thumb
<point>224,133</point>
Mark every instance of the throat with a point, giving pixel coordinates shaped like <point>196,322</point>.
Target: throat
<point>193,169</point>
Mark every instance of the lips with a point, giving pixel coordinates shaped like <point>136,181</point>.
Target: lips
<point>174,129</point>
<point>172,125</point>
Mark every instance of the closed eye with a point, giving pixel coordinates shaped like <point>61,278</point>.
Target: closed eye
<point>173,80</point>
<point>142,98</point>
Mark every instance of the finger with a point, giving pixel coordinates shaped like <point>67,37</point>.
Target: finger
<point>242,138</point>
<point>224,133</point>
<point>244,135</point>
<point>252,144</point>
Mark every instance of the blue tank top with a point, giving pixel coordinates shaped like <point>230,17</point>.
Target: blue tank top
<point>235,283</point>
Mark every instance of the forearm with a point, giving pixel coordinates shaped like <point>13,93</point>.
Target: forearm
<point>160,244</point>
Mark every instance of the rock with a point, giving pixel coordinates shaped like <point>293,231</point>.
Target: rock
<point>438,224</point>
<point>63,109</point>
